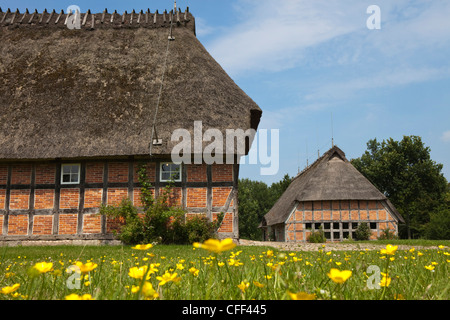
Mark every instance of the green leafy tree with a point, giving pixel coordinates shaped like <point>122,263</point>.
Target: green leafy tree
<point>255,199</point>
<point>406,174</point>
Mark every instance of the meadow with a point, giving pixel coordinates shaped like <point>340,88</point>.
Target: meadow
<point>222,271</point>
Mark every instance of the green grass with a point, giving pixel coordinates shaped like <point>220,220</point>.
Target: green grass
<point>278,274</point>
<point>412,242</point>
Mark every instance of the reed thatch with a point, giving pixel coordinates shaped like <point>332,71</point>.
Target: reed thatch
<point>93,92</point>
<point>331,177</point>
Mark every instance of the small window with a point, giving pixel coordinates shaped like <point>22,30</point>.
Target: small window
<point>308,226</point>
<point>336,235</point>
<point>317,226</point>
<point>327,225</point>
<point>354,225</point>
<point>70,173</point>
<point>373,225</point>
<point>170,171</point>
<point>345,225</point>
<point>336,225</point>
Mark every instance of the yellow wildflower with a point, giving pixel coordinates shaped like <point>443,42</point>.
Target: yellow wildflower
<point>243,286</point>
<point>8,290</point>
<point>430,267</point>
<point>259,285</point>
<point>74,296</point>
<point>390,250</point>
<point>167,277</point>
<point>339,276</point>
<point>43,267</point>
<point>302,296</point>
<point>216,246</point>
<point>85,268</point>
<point>385,281</point>
<point>139,272</point>
<point>142,247</point>
<point>194,271</point>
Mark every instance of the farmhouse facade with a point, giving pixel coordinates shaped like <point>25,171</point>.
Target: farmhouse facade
<point>332,195</point>
<point>82,109</point>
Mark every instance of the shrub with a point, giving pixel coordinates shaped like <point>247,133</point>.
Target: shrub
<point>387,234</point>
<point>363,232</point>
<point>160,222</point>
<point>317,236</point>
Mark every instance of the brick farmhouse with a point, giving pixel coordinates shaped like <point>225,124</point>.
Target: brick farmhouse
<point>333,195</point>
<point>81,107</point>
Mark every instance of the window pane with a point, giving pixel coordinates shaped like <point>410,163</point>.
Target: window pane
<point>66,178</point>
<point>175,176</point>
<point>66,169</point>
<point>74,177</point>
<point>75,168</point>
<point>165,167</point>
<point>165,176</point>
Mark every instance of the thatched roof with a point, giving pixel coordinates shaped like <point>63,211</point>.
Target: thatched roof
<point>93,92</point>
<point>331,177</point>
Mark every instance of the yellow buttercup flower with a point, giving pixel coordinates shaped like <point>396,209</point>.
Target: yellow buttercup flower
<point>74,296</point>
<point>167,277</point>
<point>390,250</point>
<point>339,276</point>
<point>259,285</point>
<point>194,271</point>
<point>85,268</point>
<point>142,247</point>
<point>139,272</point>
<point>8,290</point>
<point>385,281</point>
<point>216,246</point>
<point>430,267</point>
<point>43,267</point>
<point>243,285</point>
<point>302,296</point>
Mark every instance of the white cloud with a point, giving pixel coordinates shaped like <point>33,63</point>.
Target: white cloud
<point>446,136</point>
<point>280,35</point>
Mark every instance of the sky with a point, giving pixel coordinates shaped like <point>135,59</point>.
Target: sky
<point>319,72</point>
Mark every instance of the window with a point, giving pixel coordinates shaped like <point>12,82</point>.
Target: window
<point>373,225</point>
<point>170,171</point>
<point>70,173</point>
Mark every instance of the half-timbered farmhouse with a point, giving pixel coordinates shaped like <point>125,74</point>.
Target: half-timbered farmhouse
<point>82,108</point>
<point>332,195</point>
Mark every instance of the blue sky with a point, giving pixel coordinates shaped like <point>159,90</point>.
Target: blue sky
<point>304,62</point>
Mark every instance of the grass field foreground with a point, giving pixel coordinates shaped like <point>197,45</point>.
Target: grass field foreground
<point>221,271</point>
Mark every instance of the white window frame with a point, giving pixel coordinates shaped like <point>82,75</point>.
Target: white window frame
<point>62,172</point>
<point>161,172</point>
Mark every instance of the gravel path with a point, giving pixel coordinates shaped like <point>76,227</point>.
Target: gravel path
<point>286,246</point>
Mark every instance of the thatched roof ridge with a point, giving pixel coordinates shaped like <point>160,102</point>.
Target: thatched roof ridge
<point>93,92</point>
<point>90,20</point>
<point>331,177</point>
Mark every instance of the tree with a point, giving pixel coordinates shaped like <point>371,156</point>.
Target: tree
<point>255,200</point>
<point>406,174</point>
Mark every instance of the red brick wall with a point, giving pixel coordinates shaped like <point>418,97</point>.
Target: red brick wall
<point>337,211</point>
<point>69,198</point>
<point>68,223</point>
<point>94,172</point>
<point>18,224</point>
<point>196,197</point>
<point>19,199</point>
<point>118,172</point>
<point>45,173</point>
<point>42,225</point>
<point>44,199</point>
<point>220,196</point>
<point>196,173</point>
<point>116,195</point>
<point>93,198</point>
<point>222,173</point>
<point>21,174</point>
<point>92,223</point>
